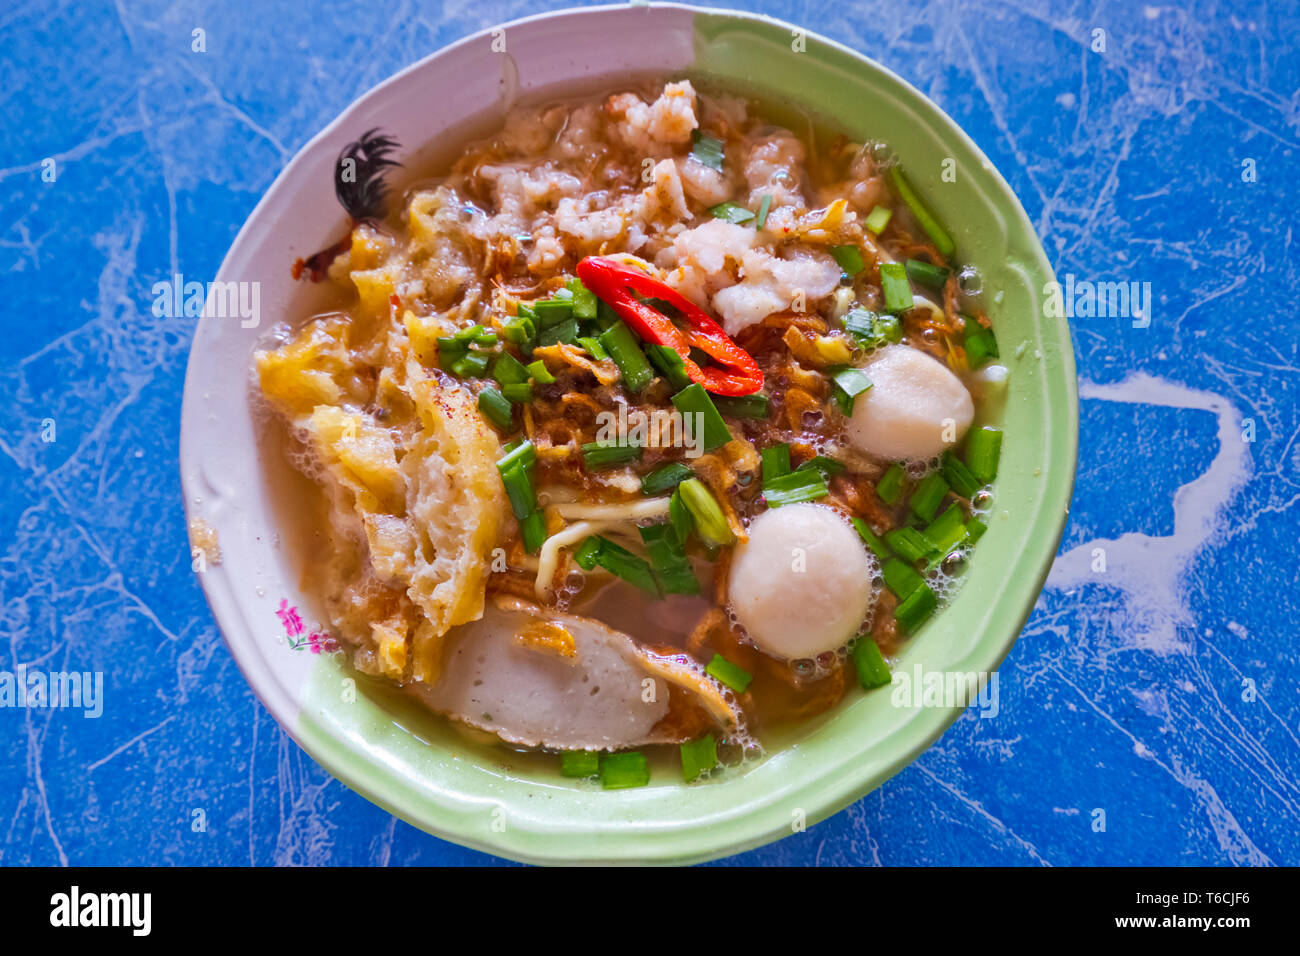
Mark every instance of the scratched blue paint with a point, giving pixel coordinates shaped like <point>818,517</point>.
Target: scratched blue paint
<point>1126,692</point>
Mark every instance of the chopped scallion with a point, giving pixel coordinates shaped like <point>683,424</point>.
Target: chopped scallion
<point>734,676</point>
<point>848,383</point>
<point>879,218</point>
<point>929,494</point>
<point>901,578</point>
<point>710,521</point>
<point>929,222</point>
<point>518,392</point>
<point>625,349</point>
<point>665,478</point>
<point>849,258</point>
<point>622,563</point>
<point>699,757</point>
<point>896,287</point>
<point>579,763</point>
<point>872,540</point>
<point>732,213</point>
<point>519,487</point>
<point>695,401</point>
<point>584,300</point>
<point>764,207</point>
<point>540,373</point>
<point>621,771</point>
<point>743,406</point>
<point>959,476</point>
<point>496,407</point>
<point>597,456</point>
<point>890,486</point>
<point>870,663</point>
<point>803,484</point>
<point>915,608</point>
<point>983,448</point>
<point>565,331</point>
<point>947,531</point>
<point>508,370</point>
<point>707,150</point>
<point>827,466</point>
<point>551,311</point>
<point>910,544</point>
<point>593,347</point>
<point>666,359</point>
<point>926,274</point>
<point>533,529</point>
<point>776,462</point>
<point>668,562</point>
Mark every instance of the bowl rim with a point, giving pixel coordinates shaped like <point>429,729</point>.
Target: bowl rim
<point>715,840</point>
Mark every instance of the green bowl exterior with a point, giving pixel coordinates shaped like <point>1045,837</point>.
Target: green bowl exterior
<point>425,772</point>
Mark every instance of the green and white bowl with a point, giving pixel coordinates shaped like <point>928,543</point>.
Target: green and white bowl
<point>414,765</point>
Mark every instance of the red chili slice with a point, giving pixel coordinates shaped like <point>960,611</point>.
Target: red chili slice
<point>618,285</point>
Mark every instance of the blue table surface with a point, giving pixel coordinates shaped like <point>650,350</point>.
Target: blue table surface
<point>1162,691</point>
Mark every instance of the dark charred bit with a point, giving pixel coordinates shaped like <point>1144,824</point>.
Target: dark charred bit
<point>359,175</point>
<point>316,266</point>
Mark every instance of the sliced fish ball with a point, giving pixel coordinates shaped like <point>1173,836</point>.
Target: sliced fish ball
<point>543,679</point>
<point>801,584</point>
<point>915,408</point>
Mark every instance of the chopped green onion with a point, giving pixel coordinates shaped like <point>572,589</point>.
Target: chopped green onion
<point>901,578</point>
<point>666,359</point>
<point>519,487</point>
<point>534,531</point>
<point>694,400</point>
<point>566,331</point>
<point>679,516</point>
<point>552,311</point>
<point>929,494</point>
<point>521,330</point>
<point>827,466</point>
<point>470,365</point>
<point>873,541</point>
<point>849,258</point>
<point>699,757</point>
<point>910,544</point>
<point>879,218</point>
<point>707,150</point>
<point>585,554</point>
<point>625,349</point>
<point>621,771</point>
<point>959,476</point>
<point>915,608</point>
<point>979,343</point>
<point>975,529</point>
<point>896,287</point>
<point>872,330</point>
<point>508,370</point>
<point>584,300</point>
<point>947,531</point>
<point>870,663</point>
<point>890,486</point>
<point>803,484</point>
<point>933,228</point>
<point>849,383</point>
<point>597,455</point>
<point>593,347</point>
<point>983,448</point>
<point>521,451</point>
<point>710,521</point>
<point>734,676</point>
<point>622,563</point>
<point>540,373</point>
<point>776,462</point>
<point>518,392</point>
<point>579,763</point>
<point>665,478</point>
<point>926,274</point>
<point>668,562</point>
<point>496,407</point>
<point>764,207</point>
<point>732,213</point>
<point>743,406</point>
